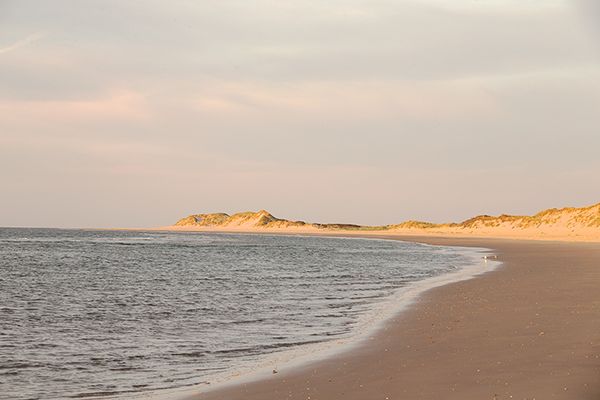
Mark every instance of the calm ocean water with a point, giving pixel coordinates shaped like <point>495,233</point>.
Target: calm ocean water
<point>112,314</point>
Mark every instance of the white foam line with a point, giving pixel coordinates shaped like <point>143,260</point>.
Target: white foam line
<point>369,324</point>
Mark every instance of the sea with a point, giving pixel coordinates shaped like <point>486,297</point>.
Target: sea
<point>88,314</point>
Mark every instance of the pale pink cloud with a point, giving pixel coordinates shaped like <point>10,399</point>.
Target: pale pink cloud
<point>118,105</point>
<point>366,100</point>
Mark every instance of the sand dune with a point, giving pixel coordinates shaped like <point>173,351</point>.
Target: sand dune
<point>553,224</point>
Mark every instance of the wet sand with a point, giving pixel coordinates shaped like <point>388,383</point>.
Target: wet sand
<point>528,330</point>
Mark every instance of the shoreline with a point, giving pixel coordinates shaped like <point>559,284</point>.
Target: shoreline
<point>412,235</point>
<point>367,325</point>
<point>331,377</point>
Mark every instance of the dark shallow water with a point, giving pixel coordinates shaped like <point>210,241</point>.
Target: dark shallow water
<point>112,313</point>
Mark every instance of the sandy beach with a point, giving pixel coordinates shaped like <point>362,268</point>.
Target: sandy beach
<point>300,200</point>
<point>527,330</point>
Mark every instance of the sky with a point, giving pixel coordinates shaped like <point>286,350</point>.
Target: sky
<point>137,113</point>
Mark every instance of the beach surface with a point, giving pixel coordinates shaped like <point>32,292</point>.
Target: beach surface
<point>526,330</point>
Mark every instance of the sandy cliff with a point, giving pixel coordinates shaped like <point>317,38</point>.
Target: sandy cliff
<point>552,224</point>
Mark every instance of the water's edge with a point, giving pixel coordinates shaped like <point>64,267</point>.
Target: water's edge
<point>370,324</point>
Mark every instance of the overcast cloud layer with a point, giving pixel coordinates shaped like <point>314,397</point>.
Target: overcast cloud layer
<point>135,113</point>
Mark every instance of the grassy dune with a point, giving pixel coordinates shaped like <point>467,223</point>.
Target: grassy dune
<point>552,223</point>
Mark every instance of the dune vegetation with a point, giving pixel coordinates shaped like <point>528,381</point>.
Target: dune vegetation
<point>555,222</point>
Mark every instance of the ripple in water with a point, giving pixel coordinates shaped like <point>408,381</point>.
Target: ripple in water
<point>110,313</point>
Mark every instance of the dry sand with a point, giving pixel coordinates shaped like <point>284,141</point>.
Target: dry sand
<point>528,330</point>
